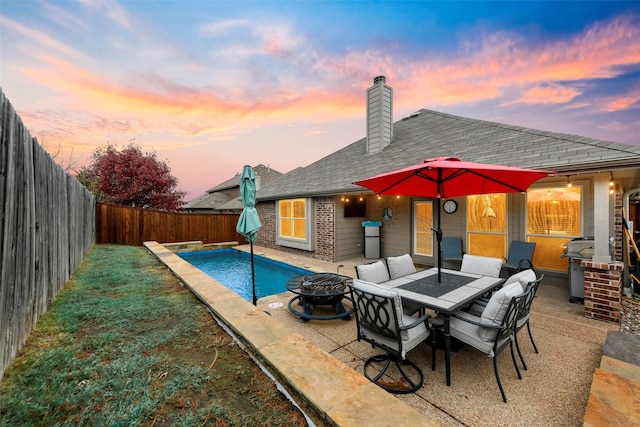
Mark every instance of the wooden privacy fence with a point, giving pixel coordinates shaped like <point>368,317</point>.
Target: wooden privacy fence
<point>132,226</point>
<point>47,225</point>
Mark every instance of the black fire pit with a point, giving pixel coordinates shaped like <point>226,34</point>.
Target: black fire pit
<point>319,289</point>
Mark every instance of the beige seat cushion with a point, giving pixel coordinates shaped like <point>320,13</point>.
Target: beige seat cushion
<point>375,272</point>
<point>485,266</point>
<point>496,308</point>
<point>400,266</point>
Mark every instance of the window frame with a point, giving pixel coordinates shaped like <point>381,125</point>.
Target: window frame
<point>309,242</point>
<point>502,234</point>
<point>415,227</point>
<point>585,190</point>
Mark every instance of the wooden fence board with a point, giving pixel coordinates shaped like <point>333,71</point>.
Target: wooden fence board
<point>132,226</point>
<point>47,225</point>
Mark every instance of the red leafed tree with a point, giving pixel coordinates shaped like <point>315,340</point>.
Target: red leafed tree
<point>132,178</point>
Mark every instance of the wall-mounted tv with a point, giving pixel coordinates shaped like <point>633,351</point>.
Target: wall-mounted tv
<point>355,207</point>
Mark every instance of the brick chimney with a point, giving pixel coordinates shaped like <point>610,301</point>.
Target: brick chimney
<point>379,115</point>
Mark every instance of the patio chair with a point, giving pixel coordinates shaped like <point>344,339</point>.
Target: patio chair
<point>377,272</point>
<point>523,315</point>
<point>482,265</point>
<point>494,329</point>
<point>400,266</point>
<point>524,278</point>
<point>381,322</point>
<point>520,256</point>
<point>452,249</point>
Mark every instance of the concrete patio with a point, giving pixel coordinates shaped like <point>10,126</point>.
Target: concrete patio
<point>553,391</point>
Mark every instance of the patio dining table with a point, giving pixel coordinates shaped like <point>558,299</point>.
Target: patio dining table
<point>455,290</point>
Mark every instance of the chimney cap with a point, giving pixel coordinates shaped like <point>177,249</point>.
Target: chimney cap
<point>379,79</point>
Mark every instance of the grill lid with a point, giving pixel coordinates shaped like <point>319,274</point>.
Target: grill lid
<point>580,247</point>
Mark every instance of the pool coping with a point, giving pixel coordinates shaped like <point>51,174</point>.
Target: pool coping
<point>337,393</point>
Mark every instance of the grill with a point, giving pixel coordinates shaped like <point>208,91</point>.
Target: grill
<point>578,249</point>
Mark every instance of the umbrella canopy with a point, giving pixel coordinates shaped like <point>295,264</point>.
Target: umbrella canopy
<point>249,221</point>
<point>445,177</point>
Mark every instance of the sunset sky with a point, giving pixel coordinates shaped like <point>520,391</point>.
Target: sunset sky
<point>213,85</point>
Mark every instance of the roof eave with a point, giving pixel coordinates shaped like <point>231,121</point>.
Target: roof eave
<point>602,166</point>
<point>327,193</point>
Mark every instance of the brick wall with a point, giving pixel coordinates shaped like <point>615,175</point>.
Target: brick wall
<point>267,233</point>
<point>325,229</point>
<point>602,286</point>
<point>618,222</point>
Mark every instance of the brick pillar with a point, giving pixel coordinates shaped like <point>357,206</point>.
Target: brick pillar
<point>619,192</point>
<point>325,228</point>
<point>602,287</point>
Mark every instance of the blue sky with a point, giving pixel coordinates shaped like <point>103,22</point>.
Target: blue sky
<point>213,85</point>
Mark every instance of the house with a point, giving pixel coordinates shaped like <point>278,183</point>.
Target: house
<point>225,197</point>
<point>311,210</point>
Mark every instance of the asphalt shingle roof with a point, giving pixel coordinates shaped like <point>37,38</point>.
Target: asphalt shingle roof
<point>428,133</point>
<point>216,198</point>
<point>265,173</point>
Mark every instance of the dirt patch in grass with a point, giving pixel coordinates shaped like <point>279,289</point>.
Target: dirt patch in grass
<point>125,344</point>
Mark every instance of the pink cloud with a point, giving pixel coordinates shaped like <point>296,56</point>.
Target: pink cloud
<point>504,61</point>
<point>623,102</point>
<point>547,94</point>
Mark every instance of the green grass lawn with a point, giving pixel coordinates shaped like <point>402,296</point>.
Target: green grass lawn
<point>124,345</point>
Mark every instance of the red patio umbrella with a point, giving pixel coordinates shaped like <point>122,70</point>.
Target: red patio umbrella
<point>445,177</point>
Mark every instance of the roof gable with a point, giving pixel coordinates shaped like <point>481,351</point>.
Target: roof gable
<point>265,173</point>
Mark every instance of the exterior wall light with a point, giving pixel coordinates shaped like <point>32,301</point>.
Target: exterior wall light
<point>611,183</point>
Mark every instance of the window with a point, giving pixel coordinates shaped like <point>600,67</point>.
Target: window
<point>554,217</point>
<point>487,225</point>
<point>294,224</point>
<point>423,236</point>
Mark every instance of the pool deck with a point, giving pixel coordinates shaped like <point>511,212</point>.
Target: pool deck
<point>320,362</point>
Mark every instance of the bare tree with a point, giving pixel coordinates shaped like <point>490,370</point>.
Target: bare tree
<point>67,163</point>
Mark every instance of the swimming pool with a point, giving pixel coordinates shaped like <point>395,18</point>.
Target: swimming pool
<point>232,268</point>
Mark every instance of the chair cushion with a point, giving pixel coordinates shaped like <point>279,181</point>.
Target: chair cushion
<point>496,308</point>
<point>400,266</point>
<point>528,276</point>
<point>374,289</point>
<point>410,337</point>
<point>375,272</point>
<point>468,332</point>
<point>485,266</point>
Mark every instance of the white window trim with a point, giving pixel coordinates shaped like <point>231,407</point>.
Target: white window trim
<point>415,228</point>
<point>308,244</point>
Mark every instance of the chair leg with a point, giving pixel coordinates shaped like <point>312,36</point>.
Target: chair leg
<point>401,365</point>
<point>513,357</point>
<point>495,370</point>
<point>531,338</point>
<point>433,350</point>
<point>524,365</point>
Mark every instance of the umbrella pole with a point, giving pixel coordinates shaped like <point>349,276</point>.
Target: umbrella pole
<point>253,277</point>
<point>439,231</point>
<point>439,239</point>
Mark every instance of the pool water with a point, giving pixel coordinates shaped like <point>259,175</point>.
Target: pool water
<point>232,268</point>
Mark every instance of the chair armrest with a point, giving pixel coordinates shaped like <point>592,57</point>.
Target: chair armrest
<point>477,323</point>
<point>524,262</point>
<point>419,320</point>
